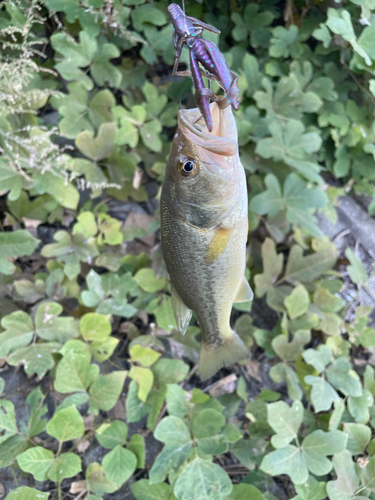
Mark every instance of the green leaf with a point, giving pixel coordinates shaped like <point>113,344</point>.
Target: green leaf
<point>102,70</point>
<point>26,493</point>
<point>95,327</point>
<point>150,135</point>
<point>135,408</point>
<point>317,445</point>
<point>66,425</point>
<point>11,449</point>
<point>270,201</point>
<point>297,302</point>
<point>75,373</point>
<point>147,280</point>
<point>15,244</point>
<point>288,460</point>
<point>144,490</point>
<point>50,327</point>
<point>318,358</point>
<point>347,481</point>
<point>306,269</point>
<point>367,475</point>
<point>112,434</point>
<point>143,355</point>
<point>144,14</point>
<point>10,180</point>
<point>289,351</point>
<point>106,390</point>
<point>19,331</point>
<point>359,406</point>
<point>97,480</point>
<point>272,267</point>
<point>119,465</point>
<point>281,372</point>
<point>343,378</point>
<point>282,40</point>
<point>177,401</point>
<point>37,461</point>
<point>8,426</point>
<point>356,270</point>
<point>99,148</point>
<point>359,436</point>
<point>144,378</point>
<point>36,358</point>
<point>285,421</point>
<point>312,490</point>
<point>172,431</point>
<point>63,466</point>
<point>323,395</point>
<point>168,371</point>
<point>138,446</point>
<point>202,480</point>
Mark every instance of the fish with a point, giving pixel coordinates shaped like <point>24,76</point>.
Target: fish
<point>203,218</point>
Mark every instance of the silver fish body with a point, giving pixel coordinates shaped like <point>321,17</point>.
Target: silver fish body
<point>203,211</point>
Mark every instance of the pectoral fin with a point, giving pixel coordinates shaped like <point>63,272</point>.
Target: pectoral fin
<point>245,293</point>
<point>217,245</point>
<point>182,313</point>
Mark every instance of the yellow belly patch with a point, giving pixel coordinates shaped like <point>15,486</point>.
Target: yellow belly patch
<point>217,245</point>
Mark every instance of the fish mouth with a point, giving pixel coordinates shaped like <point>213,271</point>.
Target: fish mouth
<point>223,138</point>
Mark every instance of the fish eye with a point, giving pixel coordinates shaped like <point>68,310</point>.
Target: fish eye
<point>187,166</point>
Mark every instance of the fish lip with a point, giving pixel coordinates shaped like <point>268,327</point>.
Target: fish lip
<point>221,145</point>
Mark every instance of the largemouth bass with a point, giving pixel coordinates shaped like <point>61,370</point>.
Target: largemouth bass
<point>203,211</point>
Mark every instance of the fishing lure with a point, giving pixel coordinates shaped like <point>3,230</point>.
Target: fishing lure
<point>188,30</point>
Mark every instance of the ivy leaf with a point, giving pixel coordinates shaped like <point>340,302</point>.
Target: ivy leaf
<point>318,358</point>
<point>306,269</point>
<point>15,244</point>
<point>66,424</point>
<point>138,446</point>
<point>289,351</point>
<point>272,267</point>
<point>285,421</point>
<point>359,406</point>
<point>282,41</point>
<point>76,55</point>
<point>323,395</point>
<point>202,480</point>
<point>359,436</point>
<point>36,358</point>
<point>270,201</point>
<point>347,481</point>
<point>26,493</point>
<point>150,135</point>
<point>102,70</point>
<point>177,403</point>
<point>317,445</point>
<point>312,490</point>
<point>356,270</point>
<point>109,230</point>
<point>297,302</point>
<point>144,14</point>
<point>100,147</point>
<point>346,380</point>
<point>10,180</point>
<point>106,390</point>
<point>147,280</point>
<point>281,372</point>
<point>18,332</point>
<point>143,355</point>
<point>71,250</point>
<point>100,109</point>
<point>288,460</point>
<point>174,433</point>
<point>119,465</point>
<point>322,33</point>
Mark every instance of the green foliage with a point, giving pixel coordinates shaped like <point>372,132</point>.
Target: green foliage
<point>87,115</point>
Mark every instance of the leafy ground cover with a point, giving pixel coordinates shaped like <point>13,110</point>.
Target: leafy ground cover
<point>100,397</point>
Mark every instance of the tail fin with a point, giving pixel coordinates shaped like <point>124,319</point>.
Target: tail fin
<point>212,358</point>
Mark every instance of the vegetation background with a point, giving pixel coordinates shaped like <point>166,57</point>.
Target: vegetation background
<point>100,395</point>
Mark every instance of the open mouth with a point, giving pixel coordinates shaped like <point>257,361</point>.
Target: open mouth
<point>223,138</point>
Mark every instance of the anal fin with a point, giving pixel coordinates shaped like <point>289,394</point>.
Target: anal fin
<point>245,293</point>
<point>181,312</point>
